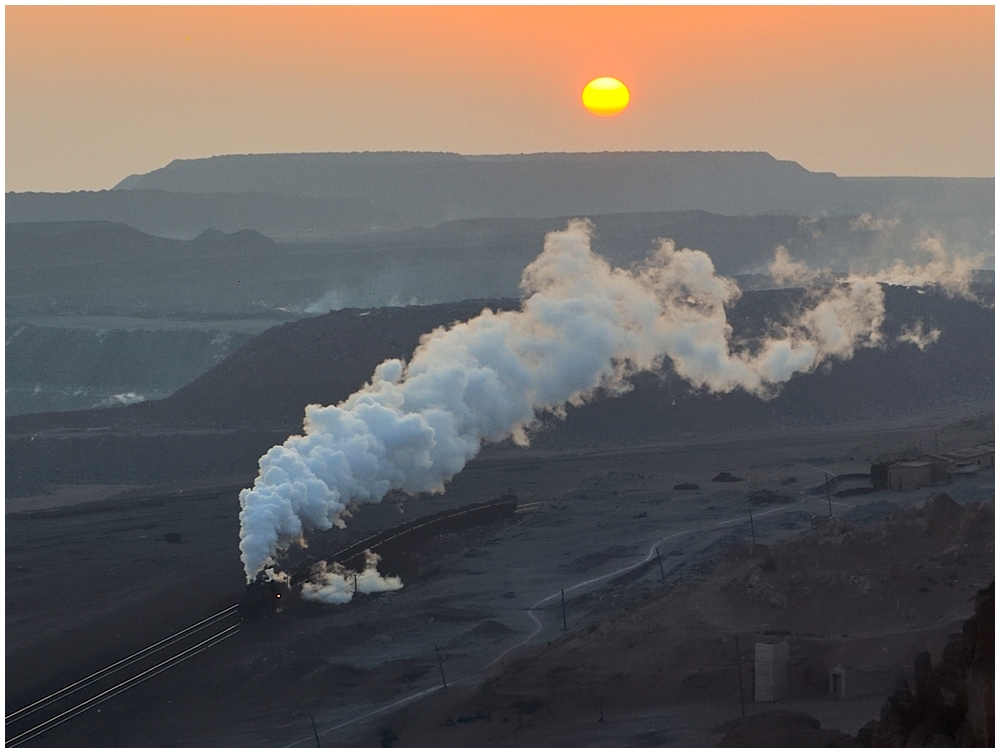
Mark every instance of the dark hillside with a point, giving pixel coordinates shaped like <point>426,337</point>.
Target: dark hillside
<point>269,381</point>
<point>223,421</point>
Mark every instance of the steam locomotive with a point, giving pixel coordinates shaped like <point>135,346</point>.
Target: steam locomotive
<point>263,598</point>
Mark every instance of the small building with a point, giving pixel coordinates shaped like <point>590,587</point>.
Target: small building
<point>837,683</point>
<point>927,470</point>
<point>978,457</point>
<point>770,675</point>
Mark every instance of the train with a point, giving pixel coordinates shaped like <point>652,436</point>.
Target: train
<point>265,597</point>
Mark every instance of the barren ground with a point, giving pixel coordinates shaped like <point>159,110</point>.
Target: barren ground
<point>90,582</point>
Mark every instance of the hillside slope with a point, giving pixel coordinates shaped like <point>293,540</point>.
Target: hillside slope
<point>257,395</point>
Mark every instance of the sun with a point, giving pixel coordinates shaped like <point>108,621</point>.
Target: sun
<point>605,96</point>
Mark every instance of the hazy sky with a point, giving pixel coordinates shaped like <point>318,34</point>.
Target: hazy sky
<point>97,93</point>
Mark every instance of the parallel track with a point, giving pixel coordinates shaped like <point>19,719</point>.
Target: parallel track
<point>76,698</point>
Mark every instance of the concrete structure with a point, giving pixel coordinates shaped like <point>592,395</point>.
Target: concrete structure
<point>978,457</point>
<point>770,675</point>
<point>837,683</point>
<point>927,470</point>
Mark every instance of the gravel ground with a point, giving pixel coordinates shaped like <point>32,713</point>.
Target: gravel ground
<point>590,525</point>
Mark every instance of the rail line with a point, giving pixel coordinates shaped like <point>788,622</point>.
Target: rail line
<point>76,688</point>
<point>227,632</point>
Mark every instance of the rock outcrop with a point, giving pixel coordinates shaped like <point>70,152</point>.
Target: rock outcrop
<point>953,702</point>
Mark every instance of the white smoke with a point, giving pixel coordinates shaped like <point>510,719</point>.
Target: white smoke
<point>335,584</point>
<point>874,224</point>
<point>331,300</point>
<point>911,255</point>
<point>917,335</point>
<point>788,272</point>
<point>124,398</point>
<point>582,326</point>
<point>952,273</point>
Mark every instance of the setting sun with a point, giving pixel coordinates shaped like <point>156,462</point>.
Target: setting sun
<point>605,96</point>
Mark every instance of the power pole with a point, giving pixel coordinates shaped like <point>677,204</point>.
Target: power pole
<point>829,503</point>
<point>660,563</point>
<point>739,674</point>
<point>315,733</point>
<point>563,592</point>
<point>440,666</point>
<point>752,534</point>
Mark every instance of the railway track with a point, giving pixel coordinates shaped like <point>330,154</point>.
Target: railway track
<point>37,718</point>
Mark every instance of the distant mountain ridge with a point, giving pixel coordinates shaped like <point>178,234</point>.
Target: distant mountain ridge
<point>323,195</point>
<point>429,188</point>
<point>95,268</point>
<point>100,268</point>
<point>185,215</point>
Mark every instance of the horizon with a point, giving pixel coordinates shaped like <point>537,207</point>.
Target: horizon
<point>96,94</point>
<point>114,186</point>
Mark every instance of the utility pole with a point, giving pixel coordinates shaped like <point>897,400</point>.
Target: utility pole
<point>660,563</point>
<point>739,674</point>
<point>752,534</point>
<point>440,666</point>
<point>315,733</point>
<point>829,503</point>
<point>563,592</point>
<point>355,583</point>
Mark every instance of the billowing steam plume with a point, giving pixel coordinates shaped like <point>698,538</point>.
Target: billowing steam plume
<point>582,326</point>
<point>335,584</point>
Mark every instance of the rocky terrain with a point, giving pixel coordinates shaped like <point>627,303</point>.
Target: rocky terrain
<point>867,597</point>
<point>889,577</point>
<point>955,699</point>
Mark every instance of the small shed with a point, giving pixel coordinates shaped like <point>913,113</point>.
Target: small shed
<point>837,684</point>
<point>770,675</point>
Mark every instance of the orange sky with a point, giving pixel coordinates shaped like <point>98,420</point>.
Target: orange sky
<point>94,94</point>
